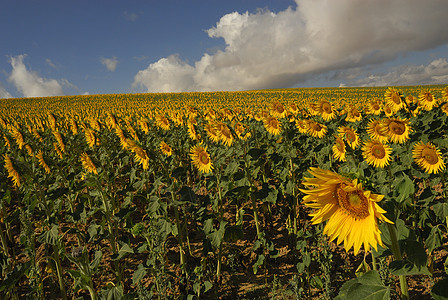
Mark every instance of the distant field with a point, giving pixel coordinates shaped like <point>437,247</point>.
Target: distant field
<point>280,194</point>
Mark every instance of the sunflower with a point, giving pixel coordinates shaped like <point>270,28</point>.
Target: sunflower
<point>316,129</point>
<point>140,155</point>
<point>351,211</point>
<point>326,110</point>
<point>293,108</point>
<point>12,173</point>
<point>73,126</point>
<point>212,131</point>
<point>374,131</point>
<point>397,130</point>
<point>162,122</point>
<point>376,153</point>
<point>37,135</point>
<point>349,135</point>
<point>7,142</point>
<point>427,100</point>
<point>40,158</point>
<point>123,140</point>
<point>224,133</point>
<point>339,150</point>
<point>30,150</point>
<point>52,122</point>
<point>90,137</point>
<point>18,137</point>
<point>239,130</point>
<point>394,99</point>
<point>353,115</point>
<point>201,159</point>
<point>374,107</point>
<point>278,110</point>
<point>445,93</point>
<point>166,149</point>
<point>388,110</point>
<point>58,137</point>
<point>192,132</point>
<point>111,121</point>
<point>87,163</point>
<point>302,125</point>
<point>272,125</point>
<point>428,157</point>
<point>58,150</point>
<point>444,108</point>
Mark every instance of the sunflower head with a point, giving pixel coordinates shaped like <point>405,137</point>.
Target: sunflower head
<point>272,125</point>
<point>376,153</point>
<point>427,100</point>
<point>88,164</point>
<point>316,129</point>
<point>166,149</point>
<point>428,157</point>
<point>201,159</point>
<point>397,130</point>
<point>278,110</point>
<point>339,151</point>
<point>351,211</point>
<point>374,131</point>
<point>349,135</point>
<point>395,99</point>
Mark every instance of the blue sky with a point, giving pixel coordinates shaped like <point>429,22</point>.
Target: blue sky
<point>66,47</point>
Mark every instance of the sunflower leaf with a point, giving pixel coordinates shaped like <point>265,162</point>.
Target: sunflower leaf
<point>367,286</point>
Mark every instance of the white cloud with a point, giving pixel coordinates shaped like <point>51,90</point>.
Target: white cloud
<point>130,16</point>
<point>4,93</point>
<point>110,63</point>
<point>435,72</point>
<point>50,63</point>
<point>268,49</point>
<point>30,84</point>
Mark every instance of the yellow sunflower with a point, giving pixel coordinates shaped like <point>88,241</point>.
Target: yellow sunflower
<point>349,135</point>
<point>140,155</point>
<point>201,159</point>
<point>388,110</point>
<point>73,126</point>
<point>302,125</point>
<point>240,129</point>
<point>12,173</point>
<point>7,142</point>
<point>397,130</point>
<point>40,158</point>
<point>374,131</point>
<point>192,132</point>
<point>87,163</point>
<point>166,149</point>
<point>426,100</point>
<point>278,110</point>
<point>351,211</point>
<point>339,150</point>
<point>272,125</point>
<point>90,137</point>
<point>376,153</point>
<point>327,110</point>
<point>394,99</point>
<point>316,129</point>
<point>374,107</point>
<point>353,115</point>
<point>162,122</point>
<point>428,157</point>
<point>444,108</point>
<point>224,133</point>
<point>445,93</point>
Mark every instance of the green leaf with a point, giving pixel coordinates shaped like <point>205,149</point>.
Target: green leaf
<point>138,274</point>
<point>124,250</point>
<point>208,285</point>
<point>416,252</point>
<point>434,239</point>
<point>233,233</point>
<point>96,260</point>
<point>14,276</point>
<point>404,188</point>
<point>406,267</point>
<point>258,263</point>
<point>368,286</point>
<point>49,236</point>
<point>440,290</point>
<point>441,210</point>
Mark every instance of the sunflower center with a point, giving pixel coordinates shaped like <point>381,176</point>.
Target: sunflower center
<point>350,136</point>
<point>397,128</point>
<point>430,156</point>
<point>326,107</point>
<point>396,98</point>
<point>354,203</point>
<point>376,106</point>
<point>203,158</point>
<point>428,97</point>
<point>355,113</point>
<point>340,145</point>
<point>378,151</point>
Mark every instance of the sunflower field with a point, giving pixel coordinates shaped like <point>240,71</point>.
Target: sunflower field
<point>324,193</point>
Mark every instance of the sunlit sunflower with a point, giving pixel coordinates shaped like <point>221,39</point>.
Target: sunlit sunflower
<point>353,115</point>
<point>327,110</point>
<point>376,153</point>
<point>94,124</point>
<point>51,122</point>
<point>18,137</point>
<point>278,110</point>
<point>212,131</point>
<point>302,125</point>
<point>349,135</point>
<point>29,150</point>
<point>162,122</point>
<point>40,158</point>
<point>388,110</point>
<point>140,155</point>
<point>394,99</point>
<point>445,93</point>
<point>316,129</point>
<point>73,126</point>
<point>201,159</point>
<point>224,133</point>
<point>339,150</point>
<point>58,137</point>
<point>87,163</point>
<point>272,125</point>
<point>374,107</point>
<point>397,130</point>
<point>351,211</point>
<point>240,129</point>
<point>58,150</point>
<point>90,137</point>
<point>7,142</point>
<point>428,157</point>
<point>427,100</point>
<point>374,131</point>
<point>292,107</point>
<point>192,132</point>
<point>444,108</point>
<point>166,149</point>
<point>12,173</point>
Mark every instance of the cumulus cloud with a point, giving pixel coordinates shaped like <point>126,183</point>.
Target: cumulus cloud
<point>110,63</point>
<point>30,84</point>
<point>4,93</point>
<point>435,72</point>
<point>267,50</point>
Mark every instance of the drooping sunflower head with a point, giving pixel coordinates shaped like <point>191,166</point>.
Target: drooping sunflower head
<point>339,151</point>
<point>397,130</point>
<point>272,125</point>
<point>42,162</point>
<point>88,164</point>
<point>166,149</point>
<point>90,137</point>
<point>201,159</point>
<point>224,134</point>
<point>374,131</point>
<point>12,172</point>
<point>428,157</point>
<point>376,153</point>
<point>351,211</point>
<point>394,98</point>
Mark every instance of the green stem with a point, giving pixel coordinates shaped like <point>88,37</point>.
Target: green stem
<point>59,271</point>
<point>374,266</point>
<point>4,243</point>
<point>397,254</point>
<point>255,209</point>
<point>179,238</point>
<point>295,205</point>
<point>221,216</point>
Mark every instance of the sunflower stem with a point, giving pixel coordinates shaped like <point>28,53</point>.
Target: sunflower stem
<point>374,266</point>
<point>397,254</point>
